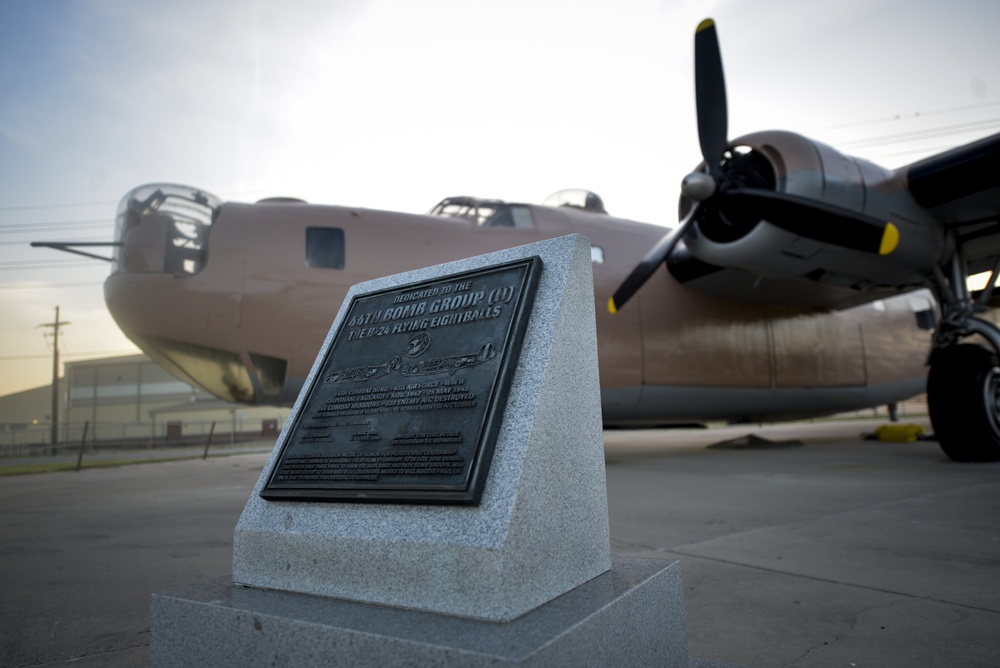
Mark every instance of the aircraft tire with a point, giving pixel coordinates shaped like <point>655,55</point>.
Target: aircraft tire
<point>963,390</point>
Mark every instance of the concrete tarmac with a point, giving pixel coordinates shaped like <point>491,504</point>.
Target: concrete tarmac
<point>841,552</point>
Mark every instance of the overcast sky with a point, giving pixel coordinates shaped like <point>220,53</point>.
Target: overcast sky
<point>395,104</point>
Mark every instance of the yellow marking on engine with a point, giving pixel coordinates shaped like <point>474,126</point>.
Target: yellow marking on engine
<point>611,306</point>
<point>707,23</point>
<point>890,239</point>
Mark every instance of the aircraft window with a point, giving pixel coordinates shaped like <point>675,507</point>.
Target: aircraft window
<point>484,213</point>
<point>325,247</point>
<point>271,374</point>
<point>186,248</point>
<point>509,216</point>
<point>576,198</point>
<point>923,310</point>
<point>522,216</point>
<point>925,319</point>
<point>469,209</point>
<point>501,217</point>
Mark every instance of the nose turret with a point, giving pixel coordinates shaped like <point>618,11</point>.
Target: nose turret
<point>163,228</point>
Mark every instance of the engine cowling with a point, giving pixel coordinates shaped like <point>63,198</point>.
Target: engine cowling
<point>785,162</point>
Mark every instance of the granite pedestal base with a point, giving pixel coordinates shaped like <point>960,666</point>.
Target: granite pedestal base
<point>632,615</point>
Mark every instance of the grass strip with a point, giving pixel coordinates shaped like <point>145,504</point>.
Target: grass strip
<point>28,469</point>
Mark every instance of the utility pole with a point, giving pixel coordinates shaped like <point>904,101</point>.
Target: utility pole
<point>55,374</point>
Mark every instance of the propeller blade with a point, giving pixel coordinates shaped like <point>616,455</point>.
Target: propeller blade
<point>815,219</point>
<point>710,96</point>
<point>649,264</point>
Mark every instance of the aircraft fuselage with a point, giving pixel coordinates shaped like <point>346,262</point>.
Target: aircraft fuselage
<point>242,306</point>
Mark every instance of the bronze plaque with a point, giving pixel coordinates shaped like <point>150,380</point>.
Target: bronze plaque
<point>411,392</point>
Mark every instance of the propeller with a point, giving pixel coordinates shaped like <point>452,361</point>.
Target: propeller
<point>710,97</point>
<point>654,258</point>
<point>713,121</point>
<point>729,189</point>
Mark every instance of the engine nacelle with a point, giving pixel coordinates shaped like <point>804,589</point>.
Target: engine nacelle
<point>789,163</point>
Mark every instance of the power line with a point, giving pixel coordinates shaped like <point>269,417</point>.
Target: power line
<point>35,207</point>
<point>924,134</point>
<point>30,265</point>
<point>912,151</point>
<point>25,243</point>
<point>46,286</point>
<point>22,228</point>
<point>234,195</point>
<point>914,115</point>
<point>231,195</point>
<point>94,353</point>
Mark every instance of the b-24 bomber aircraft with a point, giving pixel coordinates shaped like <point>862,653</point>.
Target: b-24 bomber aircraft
<point>800,281</point>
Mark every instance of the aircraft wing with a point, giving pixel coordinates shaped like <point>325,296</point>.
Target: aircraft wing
<point>774,217</point>
<point>940,208</point>
<point>961,188</point>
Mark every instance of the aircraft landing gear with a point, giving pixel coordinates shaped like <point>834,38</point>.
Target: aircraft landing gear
<point>963,392</point>
<point>963,385</point>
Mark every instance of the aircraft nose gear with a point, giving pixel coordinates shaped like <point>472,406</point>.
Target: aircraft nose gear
<point>963,385</point>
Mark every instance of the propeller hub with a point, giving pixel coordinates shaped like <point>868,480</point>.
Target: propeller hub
<point>699,186</point>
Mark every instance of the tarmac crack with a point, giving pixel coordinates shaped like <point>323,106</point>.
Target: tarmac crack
<point>837,637</point>
<point>881,505</point>
<point>815,578</point>
<point>91,655</point>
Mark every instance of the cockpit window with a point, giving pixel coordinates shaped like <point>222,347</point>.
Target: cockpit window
<point>576,198</point>
<point>484,212</point>
<point>184,214</point>
<point>466,208</point>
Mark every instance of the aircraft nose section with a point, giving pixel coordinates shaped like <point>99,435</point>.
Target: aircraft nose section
<point>163,228</point>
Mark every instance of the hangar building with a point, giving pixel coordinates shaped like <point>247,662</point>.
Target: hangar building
<point>130,401</point>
